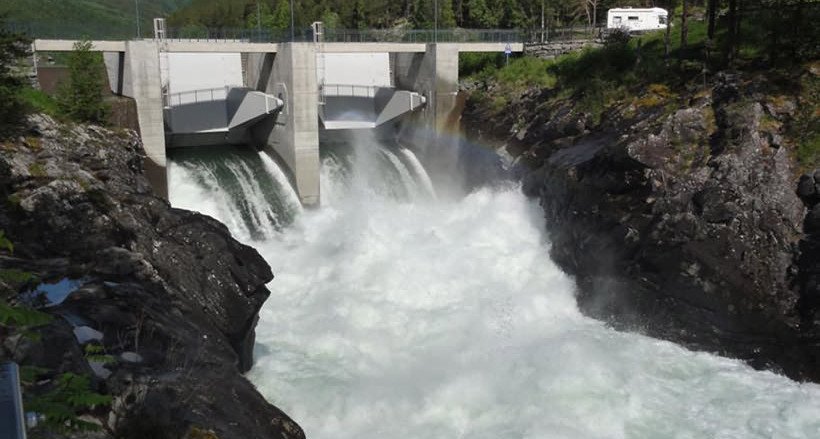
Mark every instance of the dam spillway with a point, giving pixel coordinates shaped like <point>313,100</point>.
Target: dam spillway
<point>397,312</point>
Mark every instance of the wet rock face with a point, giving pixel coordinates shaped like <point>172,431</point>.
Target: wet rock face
<point>174,296</point>
<point>687,224</point>
<point>809,259</point>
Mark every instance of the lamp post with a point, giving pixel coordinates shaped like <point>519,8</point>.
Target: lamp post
<point>435,21</point>
<point>258,21</point>
<point>292,24</point>
<point>137,7</point>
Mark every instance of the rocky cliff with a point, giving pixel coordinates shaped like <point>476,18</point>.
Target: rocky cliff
<point>678,211</point>
<point>168,296</point>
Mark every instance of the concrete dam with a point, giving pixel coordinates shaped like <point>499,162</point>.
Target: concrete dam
<point>277,96</point>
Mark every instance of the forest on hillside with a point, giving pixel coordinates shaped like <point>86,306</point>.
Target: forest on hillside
<point>419,14</point>
<point>93,18</point>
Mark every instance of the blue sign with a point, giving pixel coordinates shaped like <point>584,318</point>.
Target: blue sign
<point>507,49</point>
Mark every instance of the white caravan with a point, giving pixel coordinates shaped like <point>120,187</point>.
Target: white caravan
<point>636,19</point>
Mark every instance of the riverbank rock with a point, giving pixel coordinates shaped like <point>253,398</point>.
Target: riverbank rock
<point>683,219</point>
<point>168,295</point>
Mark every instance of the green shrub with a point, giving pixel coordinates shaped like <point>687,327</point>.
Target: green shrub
<point>12,48</point>
<point>62,405</point>
<point>527,72</point>
<point>808,152</point>
<point>471,63</point>
<point>81,96</point>
<point>39,102</point>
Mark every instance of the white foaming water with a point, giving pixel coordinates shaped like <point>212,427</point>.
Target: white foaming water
<point>418,171</point>
<point>187,191</point>
<point>428,319</point>
<point>275,171</point>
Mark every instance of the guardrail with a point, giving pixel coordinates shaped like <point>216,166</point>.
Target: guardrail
<point>352,90</point>
<point>196,96</point>
<point>423,36</point>
<point>201,34</point>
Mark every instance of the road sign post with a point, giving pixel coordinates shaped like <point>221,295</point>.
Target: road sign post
<point>507,53</point>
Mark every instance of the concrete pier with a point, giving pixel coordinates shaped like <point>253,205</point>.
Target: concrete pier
<point>434,74</point>
<point>139,78</point>
<point>293,134</point>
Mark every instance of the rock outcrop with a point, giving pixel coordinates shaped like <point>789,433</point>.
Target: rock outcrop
<point>171,297</point>
<point>679,217</point>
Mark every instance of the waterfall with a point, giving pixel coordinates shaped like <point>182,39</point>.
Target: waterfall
<point>243,188</point>
<point>396,315</point>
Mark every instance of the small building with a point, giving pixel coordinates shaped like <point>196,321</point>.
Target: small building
<point>637,19</point>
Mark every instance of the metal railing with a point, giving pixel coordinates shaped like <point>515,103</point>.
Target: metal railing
<point>423,36</point>
<point>352,90</point>
<point>196,96</point>
<point>201,34</point>
<point>43,30</point>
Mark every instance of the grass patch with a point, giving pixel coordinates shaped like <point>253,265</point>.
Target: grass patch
<point>39,102</point>
<point>16,277</point>
<point>526,72</point>
<point>37,170</point>
<point>808,152</point>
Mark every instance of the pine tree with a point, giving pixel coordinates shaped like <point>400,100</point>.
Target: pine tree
<point>12,48</point>
<point>81,97</point>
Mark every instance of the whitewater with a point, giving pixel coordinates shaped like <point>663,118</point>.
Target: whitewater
<point>397,313</point>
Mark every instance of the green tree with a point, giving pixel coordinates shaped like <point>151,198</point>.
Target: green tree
<point>481,15</point>
<point>281,16</point>
<point>12,48</point>
<point>81,96</point>
<point>331,19</point>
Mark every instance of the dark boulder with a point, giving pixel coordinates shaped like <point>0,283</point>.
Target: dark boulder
<point>685,224</point>
<point>173,298</point>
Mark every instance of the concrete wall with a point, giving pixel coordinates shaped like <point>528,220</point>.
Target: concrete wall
<point>200,71</point>
<point>290,75</point>
<point>141,81</point>
<point>370,69</point>
<point>434,74</point>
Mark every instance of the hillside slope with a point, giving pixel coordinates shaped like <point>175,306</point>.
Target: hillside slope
<point>93,18</point>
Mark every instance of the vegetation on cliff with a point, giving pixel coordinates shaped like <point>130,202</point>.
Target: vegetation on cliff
<point>669,182</point>
<point>650,70</point>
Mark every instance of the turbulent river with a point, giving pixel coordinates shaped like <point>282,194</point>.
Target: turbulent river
<point>400,313</point>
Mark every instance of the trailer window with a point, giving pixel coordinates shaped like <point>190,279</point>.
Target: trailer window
<point>632,18</point>
<point>662,19</point>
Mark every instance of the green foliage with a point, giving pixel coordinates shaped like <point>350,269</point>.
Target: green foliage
<point>470,63</point>
<point>81,97</point>
<point>29,374</point>
<point>95,352</point>
<point>93,18</point>
<point>5,243</point>
<point>331,19</point>
<point>70,395</point>
<point>22,317</point>
<point>39,102</point>
<point>526,72</point>
<point>36,170</point>
<point>12,48</point>
<point>361,14</point>
<point>16,277</point>
<point>481,14</point>
<point>806,126</point>
<point>808,152</point>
